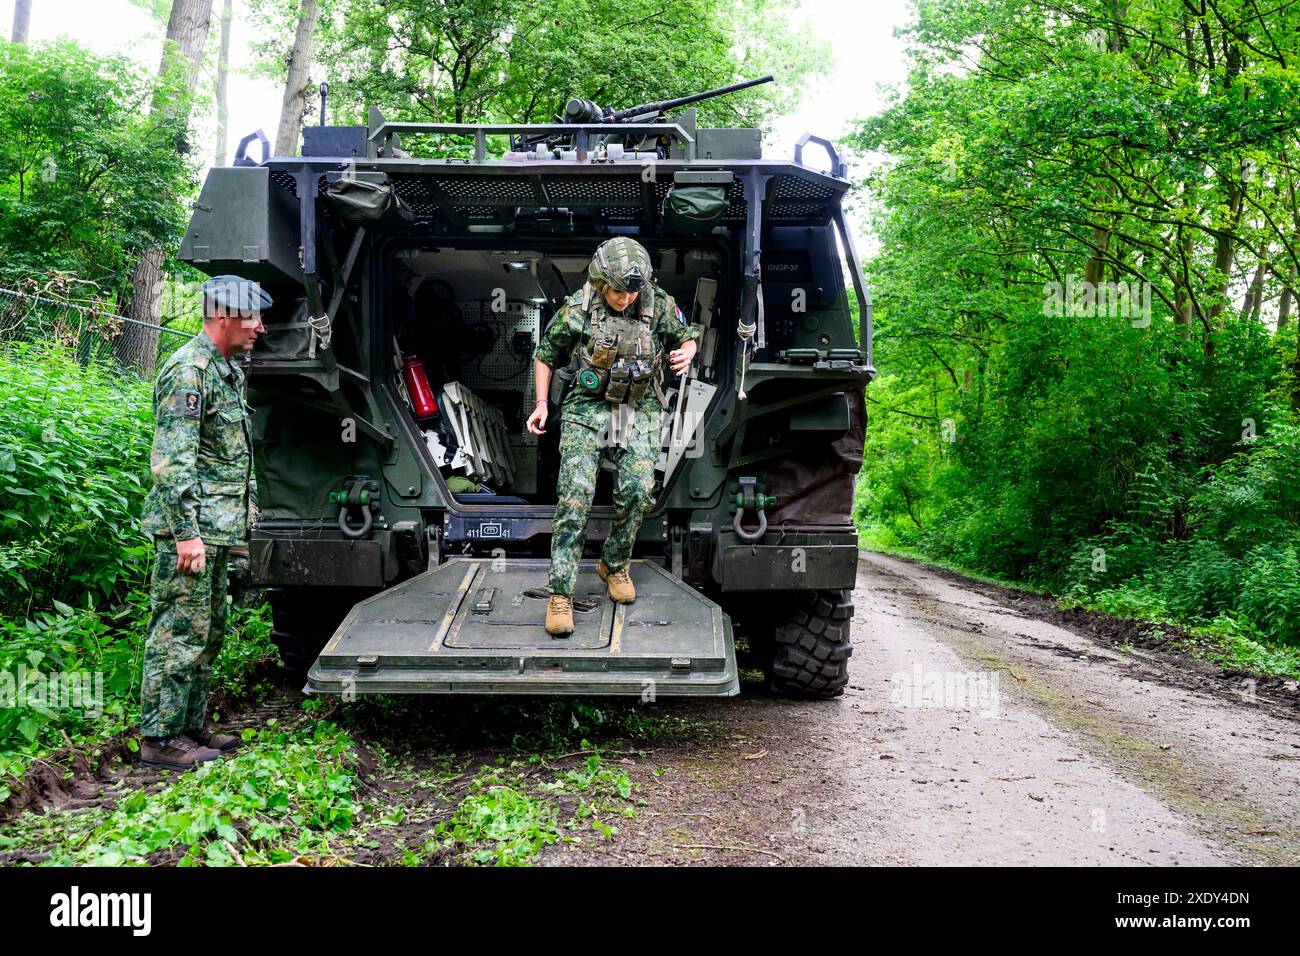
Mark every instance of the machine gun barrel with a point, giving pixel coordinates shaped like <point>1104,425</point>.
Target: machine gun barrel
<point>665,105</point>
<point>585,111</point>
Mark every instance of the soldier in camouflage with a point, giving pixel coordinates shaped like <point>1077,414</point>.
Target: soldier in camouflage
<point>619,299</point>
<point>198,508</point>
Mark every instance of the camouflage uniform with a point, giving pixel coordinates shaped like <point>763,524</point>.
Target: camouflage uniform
<point>589,426</point>
<point>203,486</point>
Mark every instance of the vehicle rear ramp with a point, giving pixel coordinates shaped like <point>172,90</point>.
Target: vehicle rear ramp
<point>476,626</point>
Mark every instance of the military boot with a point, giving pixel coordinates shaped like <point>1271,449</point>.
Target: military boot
<point>620,583</point>
<point>225,743</point>
<point>559,615</point>
<point>174,753</point>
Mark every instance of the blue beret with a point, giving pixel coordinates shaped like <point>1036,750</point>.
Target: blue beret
<point>238,296</point>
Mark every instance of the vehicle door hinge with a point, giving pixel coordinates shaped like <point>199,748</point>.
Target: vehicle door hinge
<point>433,538</point>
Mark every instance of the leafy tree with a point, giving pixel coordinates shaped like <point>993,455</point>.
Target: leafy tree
<point>182,55</point>
<point>1089,240</point>
<point>513,61</point>
<point>88,176</point>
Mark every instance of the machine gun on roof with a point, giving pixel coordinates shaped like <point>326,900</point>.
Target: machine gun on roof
<point>580,111</point>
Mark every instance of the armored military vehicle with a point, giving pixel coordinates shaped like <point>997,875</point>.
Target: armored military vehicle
<point>405,511</point>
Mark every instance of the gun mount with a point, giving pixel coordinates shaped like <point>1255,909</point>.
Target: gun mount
<point>628,143</point>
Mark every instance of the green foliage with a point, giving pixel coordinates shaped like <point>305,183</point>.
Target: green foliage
<point>74,468</point>
<point>102,649</point>
<point>1237,554</point>
<point>247,653</point>
<point>1229,641</point>
<point>89,173</point>
<point>513,61</point>
<point>287,793</point>
<point>1095,439</point>
<point>499,823</point>
<point>65,642</point>
<point>1270,593</point>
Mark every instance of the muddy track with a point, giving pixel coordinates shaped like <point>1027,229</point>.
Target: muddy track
<point>982,725</point>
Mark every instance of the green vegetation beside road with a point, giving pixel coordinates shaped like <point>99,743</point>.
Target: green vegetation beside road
<point>1085,310</point>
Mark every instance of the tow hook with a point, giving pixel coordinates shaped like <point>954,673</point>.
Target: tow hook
<point>360,494</point>
<point>748,499</point>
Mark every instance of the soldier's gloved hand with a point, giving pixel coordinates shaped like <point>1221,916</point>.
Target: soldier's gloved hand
<point>537,420</point>
<point>190,556</point>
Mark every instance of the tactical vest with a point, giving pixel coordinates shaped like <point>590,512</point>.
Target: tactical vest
<point>630,333</point>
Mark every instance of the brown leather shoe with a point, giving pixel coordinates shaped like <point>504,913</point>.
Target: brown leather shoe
<point>175,753</point>
<point>559,615</point>
<point>206,738</point>
<point>620,582</point>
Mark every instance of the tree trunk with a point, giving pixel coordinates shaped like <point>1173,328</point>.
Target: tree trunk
<point>1234,191</point>
<point>187,28</point>
<point>187,33</point>
<point>1257,307</point>
<point>1094,269</point>
<point>1254,300</point>
<point>22,20</point>
<point>1284,303</point>
<point>1225,246</point>
<point>1295,379</point>
<point>223,64</point>
<point>296,90</point>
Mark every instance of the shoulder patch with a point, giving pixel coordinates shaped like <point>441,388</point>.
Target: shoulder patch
<point>191,404</point>
<point>678,309</point>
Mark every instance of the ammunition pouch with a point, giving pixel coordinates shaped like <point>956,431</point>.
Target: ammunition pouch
<point>604,353</point>
<point>627,381</point>
<point>620,378</point>
<point>642,374</point>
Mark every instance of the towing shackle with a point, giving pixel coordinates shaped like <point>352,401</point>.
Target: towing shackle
<point>750,499</point>
<point>361,494</point>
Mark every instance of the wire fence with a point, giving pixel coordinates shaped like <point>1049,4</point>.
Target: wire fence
<point>135,348</point>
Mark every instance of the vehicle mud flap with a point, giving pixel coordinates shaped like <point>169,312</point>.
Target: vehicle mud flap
<point>476,626</point>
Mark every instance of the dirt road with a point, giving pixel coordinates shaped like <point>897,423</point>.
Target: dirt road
<point>975,730</point>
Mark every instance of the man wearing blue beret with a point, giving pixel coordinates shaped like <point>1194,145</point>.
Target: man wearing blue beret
<point>198,508</point>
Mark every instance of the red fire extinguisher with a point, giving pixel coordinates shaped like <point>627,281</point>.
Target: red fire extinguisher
<point>417,386</point>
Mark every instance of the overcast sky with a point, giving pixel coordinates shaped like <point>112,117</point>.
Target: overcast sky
<point>866,54</point>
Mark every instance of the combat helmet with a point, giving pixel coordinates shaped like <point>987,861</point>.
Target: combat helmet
<point>623,263</point>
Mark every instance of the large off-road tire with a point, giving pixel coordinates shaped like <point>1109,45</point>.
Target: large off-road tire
<point>810,648</point>
<point>303,620</point>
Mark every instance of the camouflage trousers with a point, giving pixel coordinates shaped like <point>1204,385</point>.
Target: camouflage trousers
<point>634,452</point>
<point>185,633</point>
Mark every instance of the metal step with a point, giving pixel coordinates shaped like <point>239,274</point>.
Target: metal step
<point>476,626</point>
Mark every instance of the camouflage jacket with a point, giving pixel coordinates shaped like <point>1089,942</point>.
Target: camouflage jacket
<point>202,459</point>
<point>572,326</point>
